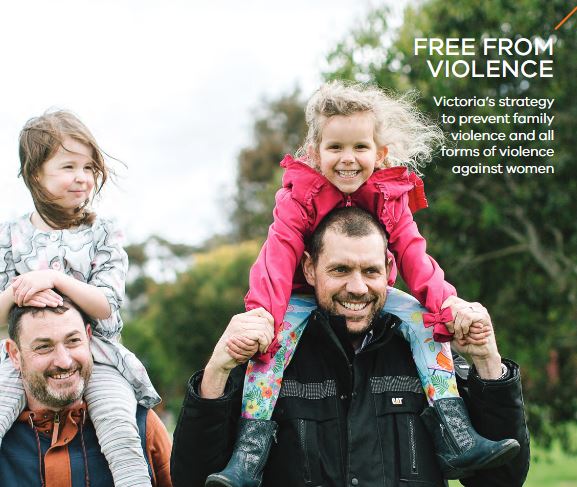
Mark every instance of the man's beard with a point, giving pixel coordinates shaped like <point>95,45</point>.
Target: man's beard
<point>377,307</point>
<point>38,386</point>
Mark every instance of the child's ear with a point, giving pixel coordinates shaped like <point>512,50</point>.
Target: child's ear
<point>313,155</point>
<point>382,156</point>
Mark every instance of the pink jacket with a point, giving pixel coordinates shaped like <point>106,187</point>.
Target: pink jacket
<point>305,198</point>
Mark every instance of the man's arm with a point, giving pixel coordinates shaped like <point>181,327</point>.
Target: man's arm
<point>492,391</point>
<point>206,427</point>
<point>205,432</point>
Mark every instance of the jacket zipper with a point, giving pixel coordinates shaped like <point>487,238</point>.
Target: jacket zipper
<point>303,438</point>
<point>413,449</point>
<point>56,428</point>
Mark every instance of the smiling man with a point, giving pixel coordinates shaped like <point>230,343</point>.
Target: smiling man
<point>350,409</point>
<point>53,443</point>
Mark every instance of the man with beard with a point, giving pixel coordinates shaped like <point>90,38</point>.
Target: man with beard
<point>53,443</point>
<point>351,410</point>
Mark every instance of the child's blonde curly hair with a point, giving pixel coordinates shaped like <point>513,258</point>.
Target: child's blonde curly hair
<point>399,126</point>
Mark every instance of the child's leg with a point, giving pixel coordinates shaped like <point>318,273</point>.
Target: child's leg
<point>434,360</point>
<point>262,382</point>
<point>12,396</point>
<point>111,405</point>
<point>110,352</point>
<point>466,451</point>
<point>261,389</point>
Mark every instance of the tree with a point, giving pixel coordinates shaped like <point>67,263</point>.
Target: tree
<point>279,129</point>
<point>184,319</point>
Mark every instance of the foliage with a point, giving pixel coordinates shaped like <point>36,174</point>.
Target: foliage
<point>507,241</point>
<point>184,319</point>
<point>278,129</point>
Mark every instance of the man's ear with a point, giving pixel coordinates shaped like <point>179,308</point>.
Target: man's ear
<point>89,331</point>
<point>389,264</point>
<point>13,353</point>
<point>308,269</point>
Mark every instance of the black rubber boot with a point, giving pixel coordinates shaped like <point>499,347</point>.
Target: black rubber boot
<point>460,449</point>
<point>249,455</point>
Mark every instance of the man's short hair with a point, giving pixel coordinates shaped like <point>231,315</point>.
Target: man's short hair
<point>16,313</point>
<point>349,221</point>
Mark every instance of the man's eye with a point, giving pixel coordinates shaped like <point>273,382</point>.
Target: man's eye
<point>43,348</point>
<point>372,270</point>
<point>75,341</point>
<point>340,270</point>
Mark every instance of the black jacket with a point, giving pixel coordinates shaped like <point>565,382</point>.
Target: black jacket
<point>347,419</point>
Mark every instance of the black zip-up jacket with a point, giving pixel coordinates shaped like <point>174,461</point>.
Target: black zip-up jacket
<point>348,420</point>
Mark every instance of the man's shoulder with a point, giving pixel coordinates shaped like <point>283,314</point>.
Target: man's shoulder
<point>158,447</point>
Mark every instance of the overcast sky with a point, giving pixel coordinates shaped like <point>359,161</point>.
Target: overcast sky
<point>168,87</point>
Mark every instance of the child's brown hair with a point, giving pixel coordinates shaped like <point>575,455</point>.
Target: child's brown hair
<point>39,140</point>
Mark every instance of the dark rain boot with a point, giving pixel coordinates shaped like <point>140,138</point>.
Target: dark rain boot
<point>460,449</point>
<point>249,455</point>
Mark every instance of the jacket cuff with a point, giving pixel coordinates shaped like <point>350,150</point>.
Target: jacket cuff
<point>198,405</point>
<point>496,391</point>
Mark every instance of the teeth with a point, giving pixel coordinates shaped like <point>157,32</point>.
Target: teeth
<point>348,174</point>
<point>354,306</point>
<point>63,376</point>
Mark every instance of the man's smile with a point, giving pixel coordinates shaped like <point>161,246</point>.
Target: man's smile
<point>354,306</point>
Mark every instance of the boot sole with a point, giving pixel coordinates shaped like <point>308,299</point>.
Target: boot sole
<point>217,481</point>
<point>508,452</point>
<point>503,456</point>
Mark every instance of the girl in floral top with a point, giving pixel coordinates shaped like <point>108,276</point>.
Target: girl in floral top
<point>64,246</point>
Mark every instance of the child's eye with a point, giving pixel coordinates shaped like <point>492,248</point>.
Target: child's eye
<point>334,147</point>
<point>362,147</point>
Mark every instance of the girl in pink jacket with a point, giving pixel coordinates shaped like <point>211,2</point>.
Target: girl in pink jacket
<point>362,149</point>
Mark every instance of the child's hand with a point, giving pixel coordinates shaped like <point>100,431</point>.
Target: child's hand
<point>479,343</point>
<point>45,298</point>
<point>27,285</point>
<point>264,340</point>
<point>464,315</point>
<point>477,336</point>
<point>254,325</point>
<point>240,348</point>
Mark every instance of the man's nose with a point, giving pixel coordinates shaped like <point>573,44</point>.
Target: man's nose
<point>61,357</point>
<point>356,284</point>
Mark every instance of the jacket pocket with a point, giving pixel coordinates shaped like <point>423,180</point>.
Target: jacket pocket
<point>415,463</point>
<point>307,425</point>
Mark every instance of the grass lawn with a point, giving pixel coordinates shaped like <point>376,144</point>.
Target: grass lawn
<point>548,469</point>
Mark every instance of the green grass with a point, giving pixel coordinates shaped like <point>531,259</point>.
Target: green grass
<point>548,469</point>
